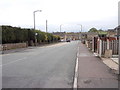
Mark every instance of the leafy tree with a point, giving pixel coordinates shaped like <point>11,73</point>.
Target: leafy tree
<point>93,30</point>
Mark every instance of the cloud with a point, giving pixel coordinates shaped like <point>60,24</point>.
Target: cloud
<point>20,12</point>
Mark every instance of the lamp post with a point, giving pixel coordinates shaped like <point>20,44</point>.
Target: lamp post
<point>61,33</point>
<point>80,31</point>
<point>46,26</point>
<point>34,25</point>
<point>34,16</point>
<point>60,27</point>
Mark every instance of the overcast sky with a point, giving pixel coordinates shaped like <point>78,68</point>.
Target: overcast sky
<point>101,14</point>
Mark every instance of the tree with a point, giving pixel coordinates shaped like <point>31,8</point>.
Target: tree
<point>93,30</point>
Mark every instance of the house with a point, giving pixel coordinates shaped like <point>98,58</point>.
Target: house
<point>111,32</point>
<point>68,35</point>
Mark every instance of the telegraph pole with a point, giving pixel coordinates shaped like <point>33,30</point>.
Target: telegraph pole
<point>46,26</point>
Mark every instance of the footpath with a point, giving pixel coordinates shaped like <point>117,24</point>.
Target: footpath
<point>93,72</point>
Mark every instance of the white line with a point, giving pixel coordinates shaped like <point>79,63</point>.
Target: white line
<point>76,73</point>
<point>13,61</point>
<point>76,68</point>
<point>78,52</point>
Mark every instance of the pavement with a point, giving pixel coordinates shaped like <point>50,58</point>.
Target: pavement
<point>112,63</point>
<point>93,71</point>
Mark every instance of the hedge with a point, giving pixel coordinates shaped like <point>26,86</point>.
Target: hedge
<point>17,35</point>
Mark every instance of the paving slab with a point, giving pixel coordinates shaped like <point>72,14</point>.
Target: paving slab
<point>92,72</point>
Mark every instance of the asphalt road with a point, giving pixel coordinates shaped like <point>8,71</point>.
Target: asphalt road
<point>40,67</point>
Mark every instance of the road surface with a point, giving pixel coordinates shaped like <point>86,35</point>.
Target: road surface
<point>40,67</point>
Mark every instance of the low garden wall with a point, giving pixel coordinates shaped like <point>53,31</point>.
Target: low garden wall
<point>13,46</point>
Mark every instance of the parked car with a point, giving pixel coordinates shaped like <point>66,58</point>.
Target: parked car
<point>67,40</point>
<point>62,40</point>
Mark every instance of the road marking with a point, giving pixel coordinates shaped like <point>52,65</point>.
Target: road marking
<point>78,52</point>
<point>13,61</point>
<point>76,73</point>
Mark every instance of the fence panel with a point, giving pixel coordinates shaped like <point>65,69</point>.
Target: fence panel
<point>114,46</point>
<point>104,47</point>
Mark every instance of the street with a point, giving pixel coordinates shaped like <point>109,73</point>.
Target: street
<point>40,67</point>
<point>53,66</point>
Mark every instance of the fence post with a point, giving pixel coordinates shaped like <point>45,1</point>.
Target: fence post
<point>108,43</point>
<point>93,44</point>
<point>100,47</point>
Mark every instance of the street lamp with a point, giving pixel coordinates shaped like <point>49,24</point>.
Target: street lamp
<point>34,24</point>
<point>60,27</point>
<point>80,31</point>
<point>34,16</point>
<point>46,26</point>
<point>61,33</point>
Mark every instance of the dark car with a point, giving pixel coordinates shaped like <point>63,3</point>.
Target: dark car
<point>67,40</point>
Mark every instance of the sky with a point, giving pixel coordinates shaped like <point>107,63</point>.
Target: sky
<point>70,14</point>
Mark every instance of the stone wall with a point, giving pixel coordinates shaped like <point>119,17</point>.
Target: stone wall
<point>13,46</point>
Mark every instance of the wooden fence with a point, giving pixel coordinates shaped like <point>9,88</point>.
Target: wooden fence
<point>114,46</point>
<point>109,45</point>
<point>99,45</point>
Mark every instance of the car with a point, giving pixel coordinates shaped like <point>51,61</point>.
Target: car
<point>62,40</point>
<point>67,40</point>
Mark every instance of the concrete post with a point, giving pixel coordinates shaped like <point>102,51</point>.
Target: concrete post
<point>108,44</point>
<point>98,45</point>
<point>93,42</point>
<point>65,36</point>
<point>100,48</point>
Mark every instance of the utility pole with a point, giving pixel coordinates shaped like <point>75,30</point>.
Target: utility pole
<point>34,19</point>
<point>46,26</point>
